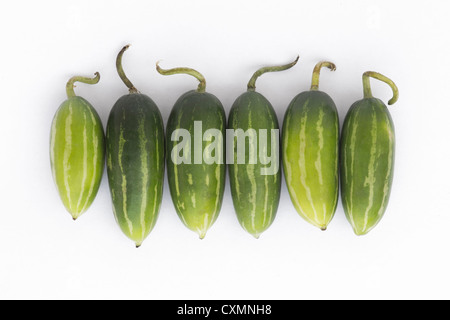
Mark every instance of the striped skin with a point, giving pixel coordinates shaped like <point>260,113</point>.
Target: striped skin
<point>310,144</point>
<point>255,196</point>
<point>77,154</point>
<point>135,164</point>
<point>367,163</point>
<point>196,189</point>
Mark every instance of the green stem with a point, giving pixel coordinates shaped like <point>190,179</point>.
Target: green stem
<point>251,86</point>
<point>368,91</point>
<point>189,71</point>
<point>122,75</point>
<point>316,73</point>
<point>70,84</point>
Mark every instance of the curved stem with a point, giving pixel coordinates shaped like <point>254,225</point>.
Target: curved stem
<point>189,71</point>
<point>316,73</point>
<point>252,83</point>
<point>368,91</point>
<point>70,84</point>
<point>122,75</point>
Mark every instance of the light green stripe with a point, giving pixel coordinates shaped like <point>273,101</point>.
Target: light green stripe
<point>318,162</point>
<point>235,165</point>
<point>144,171</point>
<point>266,178</point>
<point>251,174</point>
<point>124,181</point>
<point>302,161</point>
<point>94,159</point>
<point>336,164</point>
<point>155,204</point>
<point>370,179</point>
<point>156,141</point>
<point>288,166</point>
<point>67,152</point>
<point>266,197</point>
<point>389,170</point>
<point>175,166</point>
<point>85,165</point>
<point>193,199</point>
<point>354,126</point>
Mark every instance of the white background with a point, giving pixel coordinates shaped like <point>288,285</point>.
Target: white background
<point>46,255</point>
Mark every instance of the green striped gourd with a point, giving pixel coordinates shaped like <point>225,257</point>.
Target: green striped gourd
<point>367,158</point>
<point>195,155</point>
<point>77,150</point>
<point>310,144</point>
<point>254,169</point>
<point>135,160</point>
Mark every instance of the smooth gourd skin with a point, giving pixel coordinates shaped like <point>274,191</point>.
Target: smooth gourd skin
<point>135,164</point>
<point>77,154</point>
<point>255,195</point>
<point>196,189</point>
<point>367,163</point>
<point>310,144</point>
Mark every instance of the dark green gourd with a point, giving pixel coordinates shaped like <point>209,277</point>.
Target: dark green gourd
<point>135,160</point>
<point>254,166</point>
<point>367,158</point>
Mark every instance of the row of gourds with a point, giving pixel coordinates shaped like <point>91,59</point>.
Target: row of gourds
<point>315,155</point>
